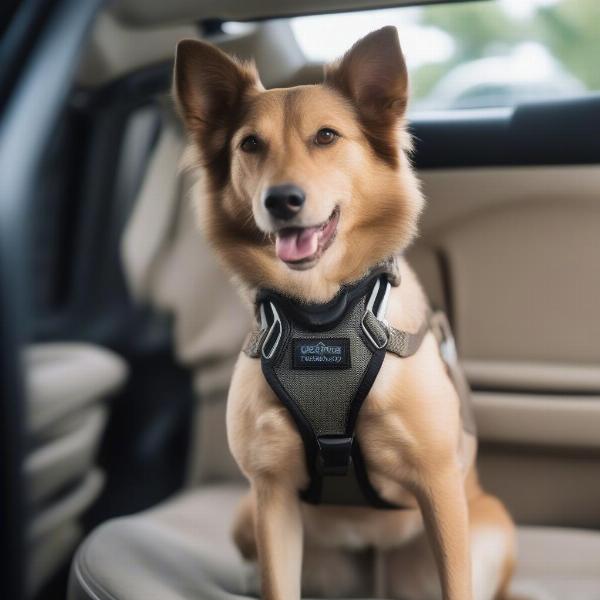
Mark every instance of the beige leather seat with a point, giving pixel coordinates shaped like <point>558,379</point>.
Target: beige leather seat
<point>181,550</point>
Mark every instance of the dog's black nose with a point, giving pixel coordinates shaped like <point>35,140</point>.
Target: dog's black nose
<point>284,201</point>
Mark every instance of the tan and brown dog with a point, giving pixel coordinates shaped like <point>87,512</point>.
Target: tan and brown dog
<point>350,199</point>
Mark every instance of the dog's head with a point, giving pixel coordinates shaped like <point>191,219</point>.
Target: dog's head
<point>307,186</point>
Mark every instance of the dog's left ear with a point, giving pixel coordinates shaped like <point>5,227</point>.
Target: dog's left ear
<point>373,75</point>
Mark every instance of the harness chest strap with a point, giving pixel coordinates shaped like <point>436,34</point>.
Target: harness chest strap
<point>396,341</point>
<point>399,342</point>
<point>406,344</point>
<point>321,361</point>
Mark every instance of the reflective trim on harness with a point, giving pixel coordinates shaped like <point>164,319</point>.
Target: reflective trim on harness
<point>276,326</point>
<point>369,316</point>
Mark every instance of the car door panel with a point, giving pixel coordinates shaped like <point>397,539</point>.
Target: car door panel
<point>509,248</point>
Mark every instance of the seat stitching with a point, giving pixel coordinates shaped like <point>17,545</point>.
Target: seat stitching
<point>85,577</point>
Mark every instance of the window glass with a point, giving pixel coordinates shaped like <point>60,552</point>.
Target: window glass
<point>477,54</point>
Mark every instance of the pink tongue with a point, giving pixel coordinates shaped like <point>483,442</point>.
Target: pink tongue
<point>296,244</point>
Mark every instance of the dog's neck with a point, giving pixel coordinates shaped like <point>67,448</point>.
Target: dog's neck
<point>389,266</point>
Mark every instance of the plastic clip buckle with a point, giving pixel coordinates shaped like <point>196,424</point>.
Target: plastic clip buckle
<point>335,454</point>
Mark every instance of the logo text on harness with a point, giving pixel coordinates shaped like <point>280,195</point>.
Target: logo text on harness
<point>327,353</point>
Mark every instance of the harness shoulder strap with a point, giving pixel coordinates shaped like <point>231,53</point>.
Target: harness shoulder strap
<point>380,334</point>
<point>405,344</point>
<point>253,343</point>
<point>399,342</point>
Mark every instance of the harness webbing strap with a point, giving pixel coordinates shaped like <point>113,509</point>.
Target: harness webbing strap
<point>399,342</point>
<point>254,343</point>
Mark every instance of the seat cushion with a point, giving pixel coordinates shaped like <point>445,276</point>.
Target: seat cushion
<point>67,507</point>
<point>55,531</point>
<point>60,462</point>
<point>65,378</point>
<point>181,550</point>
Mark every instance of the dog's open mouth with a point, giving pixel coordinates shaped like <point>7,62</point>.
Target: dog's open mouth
<point>301,247</point>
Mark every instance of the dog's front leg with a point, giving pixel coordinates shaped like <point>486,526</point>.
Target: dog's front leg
<point>441,497</point>
<point>279,537</point>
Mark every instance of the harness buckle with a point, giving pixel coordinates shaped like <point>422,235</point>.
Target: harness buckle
<point>335,454</point>
<point>367,322</point>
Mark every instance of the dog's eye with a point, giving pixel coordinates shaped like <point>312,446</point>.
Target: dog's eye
<point>326,136</point>
<point>250,144</point>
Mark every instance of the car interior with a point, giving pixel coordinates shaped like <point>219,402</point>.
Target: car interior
<point>117,481</point>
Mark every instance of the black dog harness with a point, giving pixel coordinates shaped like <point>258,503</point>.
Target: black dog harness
<point>322,360</point>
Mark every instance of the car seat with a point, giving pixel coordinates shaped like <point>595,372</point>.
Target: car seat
<point>182,549</point>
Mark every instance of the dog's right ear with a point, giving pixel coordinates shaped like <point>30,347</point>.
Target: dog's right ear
<point>209,86</point>
<point>372,74</point>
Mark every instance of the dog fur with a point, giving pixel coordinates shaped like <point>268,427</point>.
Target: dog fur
<point>414,445</point>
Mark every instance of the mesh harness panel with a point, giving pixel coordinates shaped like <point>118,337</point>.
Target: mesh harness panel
<point>321,360</point>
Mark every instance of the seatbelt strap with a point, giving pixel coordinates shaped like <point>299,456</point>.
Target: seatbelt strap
<point>442,331</point>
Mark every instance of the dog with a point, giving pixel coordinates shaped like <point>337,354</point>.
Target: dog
<point>306,190</point>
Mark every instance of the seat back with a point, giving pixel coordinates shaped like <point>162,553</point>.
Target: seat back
<point>169,264</point>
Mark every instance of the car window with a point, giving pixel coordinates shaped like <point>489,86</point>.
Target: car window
<point>492,53</point>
